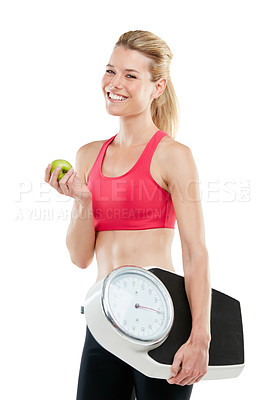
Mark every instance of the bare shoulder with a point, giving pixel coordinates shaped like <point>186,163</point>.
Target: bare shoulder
<point>171,146</point>
<point>176,160</point>
<point>90,148</point>
<point>86,157</point>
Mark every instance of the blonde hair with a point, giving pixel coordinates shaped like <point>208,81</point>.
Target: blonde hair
<point>165,109</point>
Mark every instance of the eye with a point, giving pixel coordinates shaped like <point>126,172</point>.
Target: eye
<point>109,71</point>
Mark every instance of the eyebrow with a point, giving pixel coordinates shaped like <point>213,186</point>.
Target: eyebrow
<point>126,69</point>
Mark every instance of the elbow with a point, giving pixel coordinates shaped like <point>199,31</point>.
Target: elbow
<point>191,256</point>
<point>80,260</point>
<point>82,263</point>
<point>199,263</point>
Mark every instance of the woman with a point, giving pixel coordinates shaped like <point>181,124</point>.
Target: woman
<point>128,192</point>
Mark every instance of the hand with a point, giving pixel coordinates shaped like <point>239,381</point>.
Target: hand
<point>190,363</point>
<point>70,185</point>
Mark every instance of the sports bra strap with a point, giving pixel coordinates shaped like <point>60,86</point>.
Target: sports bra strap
<point>149,150</point>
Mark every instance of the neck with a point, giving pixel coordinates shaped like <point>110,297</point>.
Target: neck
<point>135,130</point>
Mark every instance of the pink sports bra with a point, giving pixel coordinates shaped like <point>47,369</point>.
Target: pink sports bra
<point>131,201</point>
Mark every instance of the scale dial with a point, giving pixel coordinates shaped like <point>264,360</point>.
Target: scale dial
<point>138,304</point>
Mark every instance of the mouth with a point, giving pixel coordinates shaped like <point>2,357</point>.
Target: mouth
<point>115,98</point>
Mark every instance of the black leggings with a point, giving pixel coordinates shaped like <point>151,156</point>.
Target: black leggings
<point>103,376</point>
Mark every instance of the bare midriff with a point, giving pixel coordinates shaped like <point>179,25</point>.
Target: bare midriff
<point>142,248</point>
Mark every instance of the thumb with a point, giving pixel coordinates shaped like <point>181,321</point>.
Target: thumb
<point>176,366</point>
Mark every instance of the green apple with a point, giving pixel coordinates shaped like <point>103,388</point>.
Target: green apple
<point>65,166</point>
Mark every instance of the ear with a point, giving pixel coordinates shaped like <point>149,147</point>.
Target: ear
<point>159,87</point>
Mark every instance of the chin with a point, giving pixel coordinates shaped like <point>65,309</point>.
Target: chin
<point>116,113</point>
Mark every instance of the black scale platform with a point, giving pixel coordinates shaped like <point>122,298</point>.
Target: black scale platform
<point>227,344</point>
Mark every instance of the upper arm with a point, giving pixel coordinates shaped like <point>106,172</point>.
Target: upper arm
<point>82,162</point>
<point>85,158</point>
<point>181,176</point>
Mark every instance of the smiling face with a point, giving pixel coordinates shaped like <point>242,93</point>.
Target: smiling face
<point>134,89</point>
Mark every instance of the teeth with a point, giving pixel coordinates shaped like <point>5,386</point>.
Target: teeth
<point>115,97</point>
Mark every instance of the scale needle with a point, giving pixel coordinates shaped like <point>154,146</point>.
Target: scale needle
<point>148,308</point>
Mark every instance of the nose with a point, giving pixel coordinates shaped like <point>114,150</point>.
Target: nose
<point>116,81</point>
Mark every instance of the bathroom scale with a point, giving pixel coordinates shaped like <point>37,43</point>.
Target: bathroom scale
<point>142,316</point>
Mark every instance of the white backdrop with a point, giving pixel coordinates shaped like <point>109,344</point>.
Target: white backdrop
<point>53,57</point>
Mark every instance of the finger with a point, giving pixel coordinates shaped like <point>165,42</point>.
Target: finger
<point>66,176</point>
<point>190,378</point>
<point>181,382</point>
<point>53,181</point>
<point>188,381</point>
<point>47,173</point>
<point>64,182</point>
<point>70,181</point>
<point>192,381</point>
<point>199,378</point>
<point>177,364</point>
<point>55,173</point>
<point>178,377</point>
<point>182,377</point>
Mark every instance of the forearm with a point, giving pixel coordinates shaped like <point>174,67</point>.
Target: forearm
<point>198,289</point>
<point>80,238</point>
